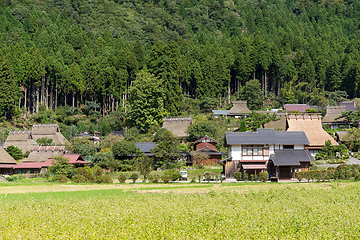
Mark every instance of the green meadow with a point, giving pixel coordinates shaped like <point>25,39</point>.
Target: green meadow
<point>182,211</point>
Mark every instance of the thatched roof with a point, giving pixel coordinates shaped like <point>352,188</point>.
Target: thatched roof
<point>5,158</point>
<point>279,124</point>
<point>51,131</point>
<point>43,153</point>
<point>21,139</point>
<point>45,129</point>
<point>311,125</point>
<point>239,108</point>
<point>341,136</point>
<point>333,112</point>
<point>178,126</point>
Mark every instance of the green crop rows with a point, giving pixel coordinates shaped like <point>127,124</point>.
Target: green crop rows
<point>302,211</point>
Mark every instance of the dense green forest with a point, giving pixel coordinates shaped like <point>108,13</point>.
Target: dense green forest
<point>89,53</point>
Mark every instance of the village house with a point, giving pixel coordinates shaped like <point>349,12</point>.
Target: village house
<point>21,139</point>
<point>6,162</point>
<point>310,124</point>
<point>333,112</point>
<point>207,146</point>
<point>51,131</point>
<point>43,153</point>
<point>239,109</point>
<point>178,126</point>
<point>42,167</point>
<point>94,138</point>
<point>278,152</point>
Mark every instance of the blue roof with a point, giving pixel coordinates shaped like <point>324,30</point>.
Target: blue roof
<point>220,112</point>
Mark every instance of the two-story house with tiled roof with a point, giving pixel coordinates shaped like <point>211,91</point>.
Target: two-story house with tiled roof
<point>278,152</point>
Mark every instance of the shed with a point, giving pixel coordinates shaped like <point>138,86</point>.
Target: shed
<point>285,163</point>
<point>207,145</point>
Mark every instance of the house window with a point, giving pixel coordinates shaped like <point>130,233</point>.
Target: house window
<point>288,146</point>
<point>254,150</point>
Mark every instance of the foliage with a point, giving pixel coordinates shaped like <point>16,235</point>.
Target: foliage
<point>253,95</point>
<point>257,120</point>
<point>329,151</point>
<point>143,165</point>
<point>166,151</point>
<point>154,177</point>
<point>44,141</point>
<point>15,152</point>
<point>122,178</point>
<point>238,176</point>
<point>264,176</point>
<point>134,177</point>
<point>198,158</point>
<point>61,166</point>
<point>12,178</point>
<point>146,102</point>
<point>199,129</point>
<point>61,178</point>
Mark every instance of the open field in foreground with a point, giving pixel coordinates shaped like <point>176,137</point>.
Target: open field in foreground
<point>181,211</point>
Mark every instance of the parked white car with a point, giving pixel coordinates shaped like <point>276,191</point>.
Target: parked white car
<point>184,175</point>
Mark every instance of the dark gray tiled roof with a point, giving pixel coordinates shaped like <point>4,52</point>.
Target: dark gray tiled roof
<point>266,136</point>
<point>145,147</point>
<point>261,136</point>
<point>291,137</point>
<point>290,157</point>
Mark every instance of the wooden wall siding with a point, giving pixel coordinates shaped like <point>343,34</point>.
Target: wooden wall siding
<point>230,168</point>
<point>212,160</point>
<point>201,145</point>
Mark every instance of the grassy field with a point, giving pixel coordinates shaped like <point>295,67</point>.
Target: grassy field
<point>181,211</point>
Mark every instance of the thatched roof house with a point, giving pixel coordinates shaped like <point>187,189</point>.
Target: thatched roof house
<point>333,112</point>
<point>178,126</point>
<point>43,153</point>
<point>6,162</point>
<point>280,124</point>
<point>311,125</point>
<point>239,108</point>
<point>51,131</point>
<point>21,139</point>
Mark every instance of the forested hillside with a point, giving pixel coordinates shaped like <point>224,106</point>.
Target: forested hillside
<point>69,52</point>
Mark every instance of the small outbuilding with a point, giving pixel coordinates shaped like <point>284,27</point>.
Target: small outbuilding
<point>207,145</point>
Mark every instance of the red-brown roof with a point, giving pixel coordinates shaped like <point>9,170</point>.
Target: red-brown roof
<point>213,140</point>
<point>248,167</point>
<point>7,165</point>
<point>75,158</point>
<point>47,163</point>
<point>297,107</point>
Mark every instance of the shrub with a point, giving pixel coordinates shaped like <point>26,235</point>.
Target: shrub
<point>87,173</point>
<point>154,178</point>
<point>246,177</point>
<point>61,178</point>
<point>103,179</point>
<point>15,152</point>
<point>299,176</point>
<point>11,178</point>
<point>208,176</point>
<point>176,176</point>
<point>134,177</point>
<point>122,178</point>
<point>253,177</point>
<point>78,178</point>
<point>166,178</point>
<point>238,176</point>
<point>193,180</point>
<point>264,176</point>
